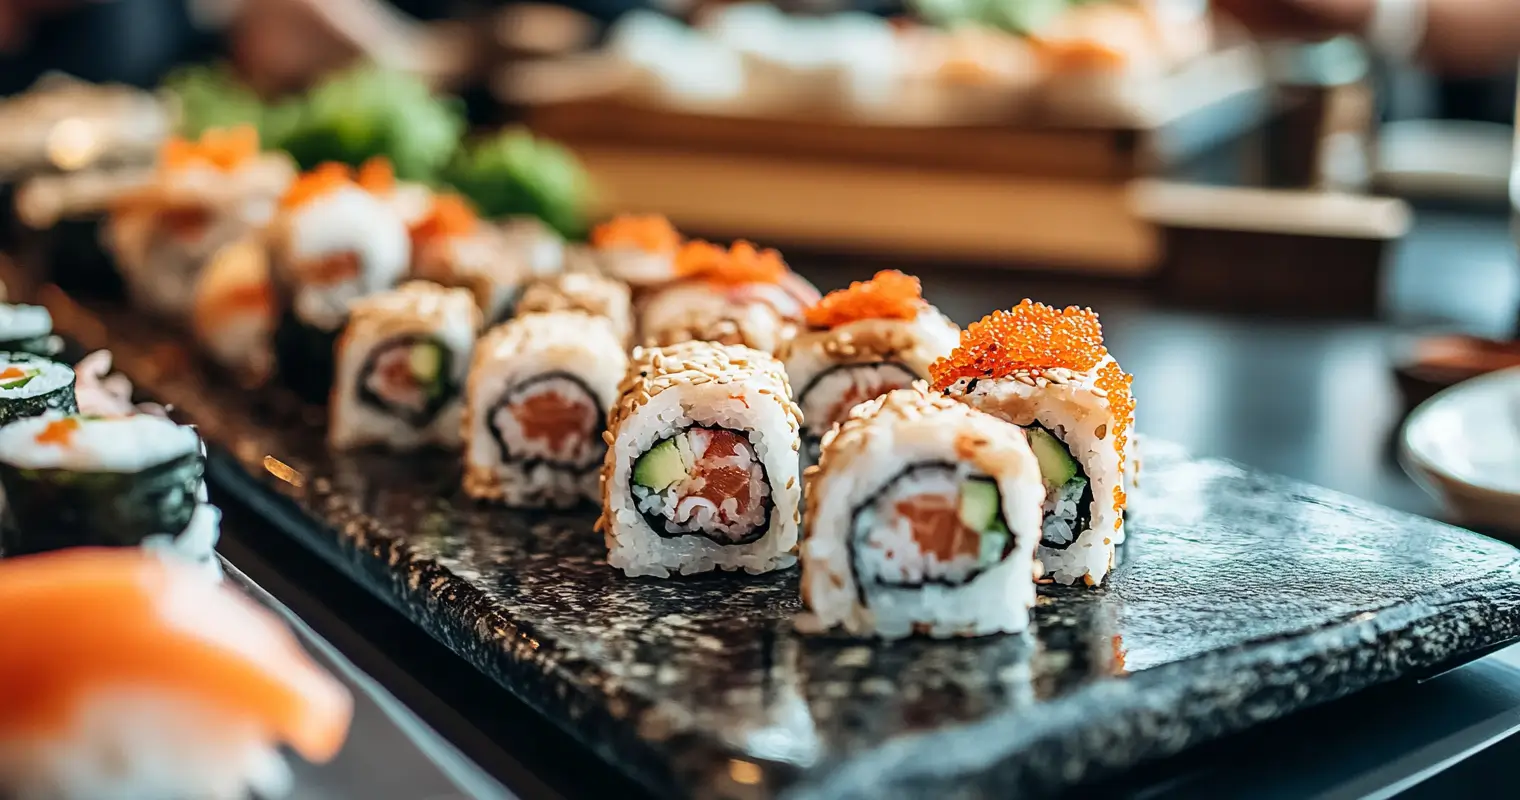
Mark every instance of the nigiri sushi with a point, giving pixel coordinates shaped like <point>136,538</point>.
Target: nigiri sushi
<point>128,675</point>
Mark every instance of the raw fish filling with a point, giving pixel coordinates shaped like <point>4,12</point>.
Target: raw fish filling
<point>550,419</point>
<point>831,395</point>
<point>705,482</point>
<point>933,524</point>
<point>408,377</point>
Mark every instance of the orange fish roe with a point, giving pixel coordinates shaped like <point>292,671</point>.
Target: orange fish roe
<point>223,149</point>
<point>888,295</point>
<point>325,179</point>
<point>651,233</point>
<point>450,215</point>
<point>11,373</point>
<point>59,432</point>
<point>742,263</point>
<point>1033,336</point>
<point>1029,336</point>
<point>377,176</point>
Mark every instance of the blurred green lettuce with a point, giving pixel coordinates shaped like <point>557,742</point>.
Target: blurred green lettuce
<point>1016,16</point>
<point>367,111</point>
<point>514,173</point>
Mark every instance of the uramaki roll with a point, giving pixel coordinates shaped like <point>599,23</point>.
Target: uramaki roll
<point>1047,370</point>
<point>452,247</point>
<point>861,343</point>
<point>536,406</point>
<point>736,295</point>
<point>594,294</point>
<point>922,517</point>
<point>701,469</point>
<point>402,362</point>
<point>639,250</point>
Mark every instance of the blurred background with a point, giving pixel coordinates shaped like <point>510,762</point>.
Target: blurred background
<point>1292,240</point>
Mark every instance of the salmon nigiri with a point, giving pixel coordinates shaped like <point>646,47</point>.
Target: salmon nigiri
<point>128,675</point>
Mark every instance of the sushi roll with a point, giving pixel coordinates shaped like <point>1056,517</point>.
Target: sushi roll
<point>31,385</point>
<point>1047,370</point>
<point>233,314</point>
<point>739,295</point>
<point>27,329</point>
<point>400,367</point>
<point>131,676</point>
<point>73,480</point>
<point>596,295</point>
<point>922,517</point>
<point>860,343</point>
<point>332,243</point>
<point>410,201</point>
<point>203,195</point>
<point>536,406</point>
<point>639,250</point>
<point>451,246</point>
<point>701,469</point>
<point>534,244</point>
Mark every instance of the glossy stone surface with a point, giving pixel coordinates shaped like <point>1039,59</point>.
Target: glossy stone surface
<point>1243,597</point>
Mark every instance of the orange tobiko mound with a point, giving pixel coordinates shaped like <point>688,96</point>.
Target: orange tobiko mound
<point>325,179</point>
<point>449,215</point>
<point>1029,336</point>
<point>651,233</point>
<point>223,149</point>
<point>888,295</point>
<point>742,263</point>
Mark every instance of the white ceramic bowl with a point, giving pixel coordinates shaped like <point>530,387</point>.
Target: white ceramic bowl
<point>1463,446</point>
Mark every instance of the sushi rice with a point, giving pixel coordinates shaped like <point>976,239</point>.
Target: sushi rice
<point>702,469</point>
<point>922,517</point>
<point>536,406</point>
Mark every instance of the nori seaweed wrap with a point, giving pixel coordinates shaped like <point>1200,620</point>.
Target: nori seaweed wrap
<point>75,481</point>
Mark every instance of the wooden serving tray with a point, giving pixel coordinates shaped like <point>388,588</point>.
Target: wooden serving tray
<point>1243,597</point>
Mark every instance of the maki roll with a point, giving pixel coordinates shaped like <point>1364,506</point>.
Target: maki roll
<point>596,295</point>
<point>536,245</point>
<point>31,385</point>
<point>452,247</point>
<point>131,676</point>
<point>739,295</point>
<point>701,469</point>
<point>922,517</point>
<point>639,250</point>
<point>536,407</point>
<point>234,310</point>
<point>1047,370</point>
<point>332,242</point>
<point>401,365</point>
<point>860,343</point>
<point>203,195</point>
<point>73,480</point>
<point>27,329</point>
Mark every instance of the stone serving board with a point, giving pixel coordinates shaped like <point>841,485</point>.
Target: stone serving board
<point>1243,597</point>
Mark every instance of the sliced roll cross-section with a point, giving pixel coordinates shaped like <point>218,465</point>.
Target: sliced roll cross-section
<point>401,364</point>
<point>862,342</point>
<point>702,468</point>
<point>536,407</point>
<point>922,516</point>
<point>1047,370</point>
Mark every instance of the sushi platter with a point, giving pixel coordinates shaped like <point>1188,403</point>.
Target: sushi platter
<point>1242,597</point>
<point>580,466</point>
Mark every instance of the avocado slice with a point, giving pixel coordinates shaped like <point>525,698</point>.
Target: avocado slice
<point>1056,464</point>
<point>661,467</point>
<point>981,506</point>
<point>425,361</point>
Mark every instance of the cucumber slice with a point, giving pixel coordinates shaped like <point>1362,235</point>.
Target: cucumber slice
<point>17,383</point>
<point>661,467</point>
<point>994,545</point>
<point>981,506</point>
<point>1056,464</point>
<point>426,361</point>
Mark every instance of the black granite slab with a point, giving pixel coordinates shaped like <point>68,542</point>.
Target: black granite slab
<point>1243,597</point>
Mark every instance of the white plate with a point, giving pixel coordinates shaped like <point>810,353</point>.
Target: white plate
<point>1463,446</point>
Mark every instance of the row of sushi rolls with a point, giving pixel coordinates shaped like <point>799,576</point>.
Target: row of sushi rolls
<point>680,385</point>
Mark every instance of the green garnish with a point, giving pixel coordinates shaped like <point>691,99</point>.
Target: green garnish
<point>17,383</point>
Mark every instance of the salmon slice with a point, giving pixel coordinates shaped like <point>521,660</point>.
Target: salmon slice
<point>81,621</point>
<point>937,527</point>
<point>560,422</point>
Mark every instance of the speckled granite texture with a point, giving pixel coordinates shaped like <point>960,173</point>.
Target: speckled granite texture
<point>1244,597</point>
